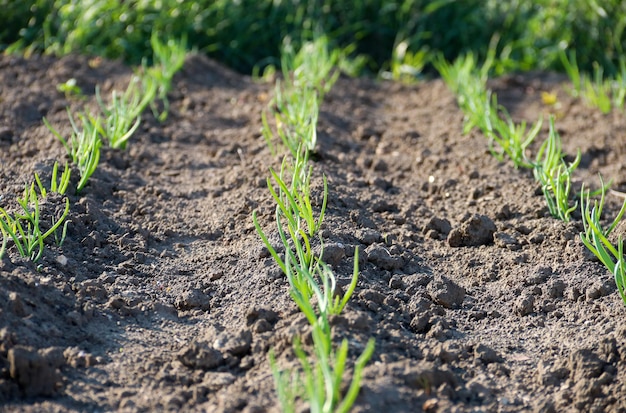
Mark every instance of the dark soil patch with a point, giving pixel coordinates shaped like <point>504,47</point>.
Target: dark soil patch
<point>163,297</point>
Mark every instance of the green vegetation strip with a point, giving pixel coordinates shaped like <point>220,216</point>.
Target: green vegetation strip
<point>25,227</point>
<point>394,36</point>
<point>308,75</point>
<point>115,125</point>
<point>549,167</point>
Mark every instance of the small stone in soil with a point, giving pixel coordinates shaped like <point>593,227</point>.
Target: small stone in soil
<point>237,344</point>
<point>199,355</point>
<point>524,305</point>
<point>36,372</point>
<point>191,299</point>
<point>475,230</point>
<point>445,292</point>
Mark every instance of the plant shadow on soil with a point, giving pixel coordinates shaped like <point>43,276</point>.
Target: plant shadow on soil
<point>163,298</point>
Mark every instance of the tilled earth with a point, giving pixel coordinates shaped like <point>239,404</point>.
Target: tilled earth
<point>163,298</point>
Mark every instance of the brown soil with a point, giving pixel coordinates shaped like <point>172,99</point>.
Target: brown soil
<point>162,297</point>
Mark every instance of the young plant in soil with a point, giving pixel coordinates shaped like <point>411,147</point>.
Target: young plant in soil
<point>295,114</point>
<point>482,110</point>
<point>309,277</point>
<point>59,186</point>
<point>70,89</point>
<point>308,75</point>
<point>508,138</point>
<point>314,66</point>
<point>406,66</point>
<point>596,238</point>
<point>121,116</point>
<point>25,228</point>
<point>83,146</point>
<point>295,110</point>
<point>596,90</point>
<point>549,167</point>
<point>169,57</point>
<point>555,175</point>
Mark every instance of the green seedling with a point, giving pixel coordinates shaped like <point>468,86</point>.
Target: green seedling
<point>508,138</point>
<point>406,66</point>
<point>311,281</point>
<point>295,114</point>
<point>596,239</point>
<point>308,75</point>
<point>464,77</point>
<point>469,84</point>
<point>121,116</point>
<point>555,175</point>
<point>314,66</point>
<point>596,90</point>
<point>150,91</point>
<point>571,68</point>
<point>309,278</point>
<point>295,206</point>
<point>169,57</point>
<point>59,186</point>
<point>323,378</point>
<point>25,228</point>
<point>322,381</point>
<point>481,109</point>
<point>70,89</point>
<point>83,146</point>
<point>288,385</point>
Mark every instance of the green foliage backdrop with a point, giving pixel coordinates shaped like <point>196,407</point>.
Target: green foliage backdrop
<point>247,33</point>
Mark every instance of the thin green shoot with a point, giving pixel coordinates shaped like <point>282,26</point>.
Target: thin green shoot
<point>555,175</point>
<point>339,305</point>
<point>169,57</point>
<point>355,385</point>
<point>121,116</point>
<point>313,285</point>
<point>469,83</point>
<point>287,385</point>
<point>61,186</point>
<point>313,66</point>
<point>597,90</point>
<point>83,146</point>
<point>595,238</point>
<point>56,186</point>
<point>25,228</point>
<point>571,68</point>
<point>295,115</point>
<point>506,137</point>
<point>406,66</point>
<point>322,379</point>
<point>5,239</point>
<point>70,89</point>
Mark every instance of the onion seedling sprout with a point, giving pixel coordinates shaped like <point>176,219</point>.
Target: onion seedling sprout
<point>24,228</point>
<point>83,146</point>
<point>555,175</point>
<point>121,116</point>
<point>596,239</point>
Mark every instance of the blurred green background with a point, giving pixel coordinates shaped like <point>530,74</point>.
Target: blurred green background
<point>245,34</point>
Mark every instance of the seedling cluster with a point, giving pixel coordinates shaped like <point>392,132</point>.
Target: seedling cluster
<point>597,91</point>
<point>308,75</point>
<point>26,228</point>
<point>549,167</point>
<point>114,126</point>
